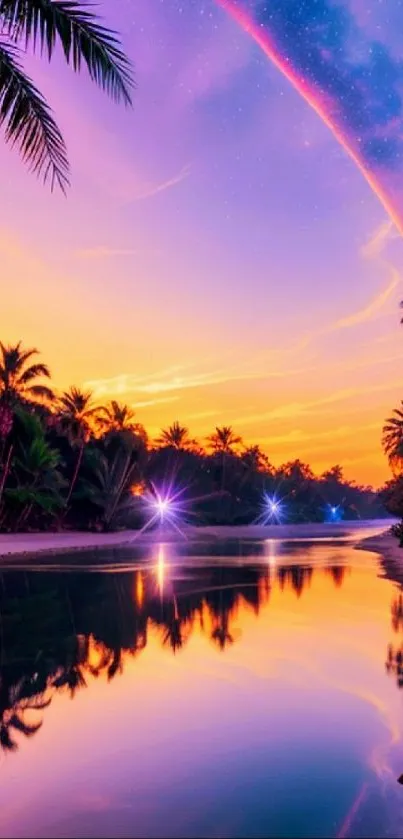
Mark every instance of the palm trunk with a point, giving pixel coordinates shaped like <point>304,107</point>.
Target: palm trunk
<point>6,470</point>
<point>24,515</point>
<point>119,490</point>
<point>75,473</point>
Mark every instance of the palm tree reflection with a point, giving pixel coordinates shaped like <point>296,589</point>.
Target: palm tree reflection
<point>60,631</point>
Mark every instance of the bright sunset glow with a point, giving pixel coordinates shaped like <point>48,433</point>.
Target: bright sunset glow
<point>242,271</point>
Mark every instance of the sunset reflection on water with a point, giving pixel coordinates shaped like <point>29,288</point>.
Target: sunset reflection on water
<point>202,693</point>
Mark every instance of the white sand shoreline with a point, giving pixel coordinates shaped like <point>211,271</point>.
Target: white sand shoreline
<point>370,535</point>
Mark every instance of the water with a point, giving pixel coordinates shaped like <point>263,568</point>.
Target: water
<point>235,690</point>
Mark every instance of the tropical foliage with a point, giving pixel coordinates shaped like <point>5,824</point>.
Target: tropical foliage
<point>43,26</point>
<point>66,461</point>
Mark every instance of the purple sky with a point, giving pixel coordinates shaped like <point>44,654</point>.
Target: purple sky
<point>211,262</point>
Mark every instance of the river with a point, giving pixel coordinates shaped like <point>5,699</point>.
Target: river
<point>232,689</point>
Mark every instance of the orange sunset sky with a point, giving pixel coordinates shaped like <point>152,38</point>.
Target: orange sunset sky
<point>219,259</point>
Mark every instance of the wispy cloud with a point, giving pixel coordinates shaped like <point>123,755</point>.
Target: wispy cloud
<point>149,403</point>
<point>377,242</point>
<point>373,308</point>
<point>102,252</point>
<point>298,409</point>
<point>299,437</point>
<point>179,378</point>
<point>150,189</point>
<point>172,381</point>
<point>200,415</point>
<point>373,249</point>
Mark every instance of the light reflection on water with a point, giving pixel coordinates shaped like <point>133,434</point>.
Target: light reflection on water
<point>231,690</point>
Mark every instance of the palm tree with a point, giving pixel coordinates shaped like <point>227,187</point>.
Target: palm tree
<point>117,417</point>
<point>43,26</point>
<point>392,437</point>
<point>334,474</point>
<point>76,415</point>
<point>36,472</point>
<point>255,460</point>
<point>223,443</point>
<point>177,437</point>
<point>224,440</point>
<point>18,376</point>
<point>111,476</point>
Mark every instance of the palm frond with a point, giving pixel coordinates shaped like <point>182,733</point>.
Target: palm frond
<point>28,121</point>
<point>83,39</point>
<point>40,392</point>
<point>33,372</point>
<point>21,355</point>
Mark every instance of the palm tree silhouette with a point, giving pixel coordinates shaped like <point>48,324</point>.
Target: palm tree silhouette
<point>392,437</point>
<point>45,25</point>
<point>16,699</point>
<point>177,437</point>
<point>397,613</point>
<point>19,374</point>
<point>76,414</point>
<point>224,440</point>
<point>255,460</point>
<point>117,417</point>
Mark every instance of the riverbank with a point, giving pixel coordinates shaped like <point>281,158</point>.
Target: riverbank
<point>384,543</point>
<point>369,534</point>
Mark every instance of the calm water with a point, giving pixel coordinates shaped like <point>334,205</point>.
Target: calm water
<point>245,690</point>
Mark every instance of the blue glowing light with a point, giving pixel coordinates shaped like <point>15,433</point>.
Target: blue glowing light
<point>333,512</point>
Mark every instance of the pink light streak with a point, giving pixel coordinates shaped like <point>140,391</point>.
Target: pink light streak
<point>324,106</point>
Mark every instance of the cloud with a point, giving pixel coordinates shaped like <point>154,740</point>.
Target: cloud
<point>200,415</point>
<point>151,402</point>
<point>102,252</point>
<point>378,240</point>
<point>371,250</point>
<point>298,436</point>
<point>298,409</point>
<point>148,190</point>
<point>373,308</point>
<point>172,380</point>
<point>178,378</point>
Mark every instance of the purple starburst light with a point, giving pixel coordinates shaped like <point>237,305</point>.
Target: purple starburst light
<point>163,507</point>
<point>273,509</point>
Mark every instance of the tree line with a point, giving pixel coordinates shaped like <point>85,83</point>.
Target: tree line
<point>68,462</point>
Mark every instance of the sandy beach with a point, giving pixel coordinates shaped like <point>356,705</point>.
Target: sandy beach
<point>369,535</point>
<point>384,543</point>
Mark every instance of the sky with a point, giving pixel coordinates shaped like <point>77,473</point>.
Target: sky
<point>229,251</point>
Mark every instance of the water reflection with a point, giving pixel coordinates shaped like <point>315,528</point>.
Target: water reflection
<point>394,657</point>
<point>59,630</point>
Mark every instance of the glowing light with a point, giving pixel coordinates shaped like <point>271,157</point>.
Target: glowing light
<point>137,489</point>
<point>272,554</point>
<point>333,512</point>
<point>139,589</point>
<point>161,568</point>
<point>162,506</point>
<point>272,509</point>
<point>324,106</point>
